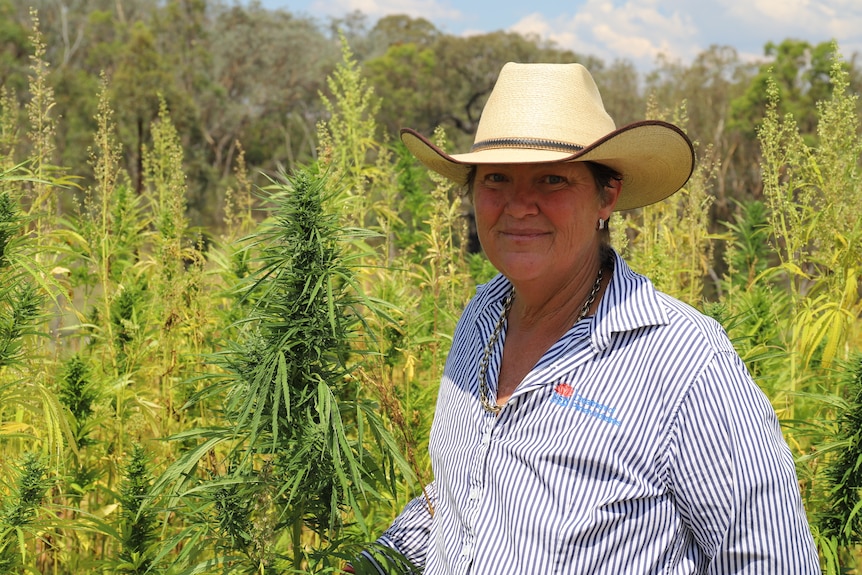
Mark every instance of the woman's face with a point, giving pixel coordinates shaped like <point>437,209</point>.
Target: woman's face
<point>538,221</point>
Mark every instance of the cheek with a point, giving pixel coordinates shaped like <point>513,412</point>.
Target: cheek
<point>486,207</point>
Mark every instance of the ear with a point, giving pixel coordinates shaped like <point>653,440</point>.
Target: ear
<point>611,195</point>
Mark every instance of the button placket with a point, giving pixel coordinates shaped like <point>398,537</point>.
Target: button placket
<point>474,501</point>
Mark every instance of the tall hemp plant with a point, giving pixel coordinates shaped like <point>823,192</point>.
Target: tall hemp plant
<point>177,260</point>
<point>106,237</point>
<point>41,199</point>
<point>378,193</point>
<point>111,226</point>
<point>813,195</point>
<point>670,241</point>
<point>289,467</point>
<point>26,286</point>
<point>752,310</point>
<point>347,140</point>
<point>837,504</point>
<point>33,427</point>
<point>29,410</point>
<point>438,268</point>
<point>23,514</point>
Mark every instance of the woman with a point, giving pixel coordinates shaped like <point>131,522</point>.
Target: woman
<point>587,423</point>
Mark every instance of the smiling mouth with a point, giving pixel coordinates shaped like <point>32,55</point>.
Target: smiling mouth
<point>523,234</point>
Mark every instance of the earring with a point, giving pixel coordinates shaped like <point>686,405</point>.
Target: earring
<point>601,224</point>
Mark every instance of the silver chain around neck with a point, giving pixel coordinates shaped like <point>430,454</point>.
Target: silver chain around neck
<point>492,341</point>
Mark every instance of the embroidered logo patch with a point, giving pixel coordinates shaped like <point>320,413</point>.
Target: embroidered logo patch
<point>566,396</point>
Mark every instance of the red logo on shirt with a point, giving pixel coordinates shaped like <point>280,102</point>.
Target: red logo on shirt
<point>564,389</point>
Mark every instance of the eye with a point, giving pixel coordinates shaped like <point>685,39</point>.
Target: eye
<point>494,178</point>
<point>554,179</point>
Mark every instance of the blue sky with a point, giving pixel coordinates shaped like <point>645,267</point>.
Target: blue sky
<point>636,30</point>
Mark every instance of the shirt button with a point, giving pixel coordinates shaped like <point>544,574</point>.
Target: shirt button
<point>467,551</point>
<point>486,439</point>
<point>474,493</point>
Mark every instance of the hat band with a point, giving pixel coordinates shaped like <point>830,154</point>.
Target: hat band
<point>533,143</point>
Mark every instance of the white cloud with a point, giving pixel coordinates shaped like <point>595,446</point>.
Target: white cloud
<point>816,20</point>
<point>636,30</point>
<point>429,9</point>
<point>641,30</point>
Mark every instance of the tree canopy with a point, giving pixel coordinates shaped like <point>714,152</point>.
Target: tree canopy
<point>243,77</point>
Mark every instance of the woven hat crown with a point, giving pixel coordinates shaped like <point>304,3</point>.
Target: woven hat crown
<point>561,105</point>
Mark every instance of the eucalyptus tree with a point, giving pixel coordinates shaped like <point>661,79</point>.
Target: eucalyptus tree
<point>406,78</point>
<point>398,29</point>
<point>141,76</point>
<point>800,71</point>
<point>267,69</point>
<point>622,95</point>
<point>14,48</point>
<point>715,78</point>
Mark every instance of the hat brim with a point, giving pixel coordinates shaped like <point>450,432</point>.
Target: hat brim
<point>655,159</point>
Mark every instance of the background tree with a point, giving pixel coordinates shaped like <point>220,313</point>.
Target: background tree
<point>715,78</point>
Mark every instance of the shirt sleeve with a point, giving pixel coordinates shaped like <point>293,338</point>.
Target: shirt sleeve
<point>408,535</point>
<point>734,477</point>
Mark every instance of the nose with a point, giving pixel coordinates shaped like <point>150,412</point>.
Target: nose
<point>521,201</point>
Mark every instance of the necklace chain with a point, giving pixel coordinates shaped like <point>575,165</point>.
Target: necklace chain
<point>492,341</point>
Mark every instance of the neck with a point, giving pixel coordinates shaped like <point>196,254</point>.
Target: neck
<point>558,307</point>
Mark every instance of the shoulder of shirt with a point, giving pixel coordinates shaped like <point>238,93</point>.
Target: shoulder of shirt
<point>632,302</point>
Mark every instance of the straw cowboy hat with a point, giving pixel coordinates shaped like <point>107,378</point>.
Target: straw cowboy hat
<point>554,112</point>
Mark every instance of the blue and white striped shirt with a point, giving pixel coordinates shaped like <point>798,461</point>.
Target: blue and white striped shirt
<point>638,444</point>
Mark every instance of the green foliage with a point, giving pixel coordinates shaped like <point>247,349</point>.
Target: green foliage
<point>747,254</point>
<point>20,299</point>
<point>348,141</point>
<point>813,195</point>
<point>16,43</point>
<point>19,513</point>
<point>37,413</point>
<point>672,245</point>
<point>754,308</point>
<point>137,519</point>
<point>390,560</point>
<point>293,362</point>
<point>43,126</point>
<point>77,392</point>
<point>409,77</point>
<point>800,75</point>
<point>842,519</point>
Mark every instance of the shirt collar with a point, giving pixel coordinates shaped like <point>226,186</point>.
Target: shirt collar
<point>630,302</point>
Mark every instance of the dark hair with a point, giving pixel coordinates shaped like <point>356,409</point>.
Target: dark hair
<point>603,175</point>
<point>471,180</point>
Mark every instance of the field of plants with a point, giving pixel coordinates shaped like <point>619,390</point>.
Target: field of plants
<point>257,399</point>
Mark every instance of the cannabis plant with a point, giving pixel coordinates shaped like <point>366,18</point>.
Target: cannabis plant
<point>813,194</point>
<point>20,513</point>
<point>78,394</point>
<point>290,458</point>
<point>840,517</point>
<point>137,518</point>
<point>669,241</point>
<point>20,299</point>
